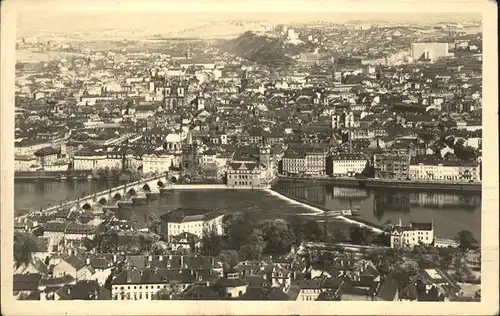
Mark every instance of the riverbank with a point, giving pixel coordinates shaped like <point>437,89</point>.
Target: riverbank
<point>388,184</point>
<point>52,175</point>
<point>209,187</point>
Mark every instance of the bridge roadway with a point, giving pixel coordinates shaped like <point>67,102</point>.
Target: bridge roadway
<point>123,193</point>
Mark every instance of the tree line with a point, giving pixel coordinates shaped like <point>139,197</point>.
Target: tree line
<point>247,239</point>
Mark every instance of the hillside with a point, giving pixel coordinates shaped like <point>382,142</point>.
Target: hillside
<point>260,49</point>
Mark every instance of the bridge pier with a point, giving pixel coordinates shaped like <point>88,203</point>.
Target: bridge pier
<point>109,199</point>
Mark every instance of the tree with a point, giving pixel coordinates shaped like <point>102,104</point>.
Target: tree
<point>305,230</point>
<point>253,250</point>
<point>278,236</point>
<point>465,153</point>
<point>382,239</point>
<point>328,295</point>
<point>158,249</point>
<point>360,235</point>
<point>229,259</point>
<point>211,243</point>
<point>466,240</point>
<point>237,228</point>
<point>338,235</point>
<point>24,246</point>
<point>89,244</point>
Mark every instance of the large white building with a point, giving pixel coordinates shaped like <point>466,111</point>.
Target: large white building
<point>429,168</point>
<point>412,235</point>
<point>429,51</point>
<point>97,160</point>
<point>158,162</point>
<point>193,221</point>
<point>348,164</point>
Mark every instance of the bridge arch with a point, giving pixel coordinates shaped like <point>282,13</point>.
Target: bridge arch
<point>117,196</point>
<point>87,206</point>
<point>174,179</point>
<point>131,191</point>
<point>146,188</point>
<point>160,184</point>
<point>103,201</point>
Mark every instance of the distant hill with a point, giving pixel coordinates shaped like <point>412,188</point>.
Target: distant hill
<point>260,49</point>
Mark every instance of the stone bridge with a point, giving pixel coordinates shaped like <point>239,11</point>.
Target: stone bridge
<point>122,194</point>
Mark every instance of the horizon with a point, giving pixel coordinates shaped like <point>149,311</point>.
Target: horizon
<point>40,23</point>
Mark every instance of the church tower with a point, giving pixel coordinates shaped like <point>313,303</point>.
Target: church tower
<point>200,101</point>
<point>265,155</point>
<point>380,72</point>
<point>167,92</point>
<point>244,81</point>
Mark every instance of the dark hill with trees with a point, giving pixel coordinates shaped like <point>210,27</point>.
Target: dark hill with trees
<point>260,49</point>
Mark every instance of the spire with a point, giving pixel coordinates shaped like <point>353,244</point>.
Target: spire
<point>399,222</point>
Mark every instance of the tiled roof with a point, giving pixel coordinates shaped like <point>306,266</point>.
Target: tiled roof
<point>347,156</point>
<point>225,282</point>
<point>154,276</point>
<point>57,282</point>
<point>26,282</point>
<point>243,166</point>
<point>186,214</point>
<point>200,292</point>
<point>76,262</point>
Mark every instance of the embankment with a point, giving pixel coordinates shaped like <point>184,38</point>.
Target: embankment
<point>51,175</point>
<point>209,187</point>
<point>391,184</point>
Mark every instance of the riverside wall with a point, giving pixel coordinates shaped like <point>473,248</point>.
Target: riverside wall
<point>392,184</point>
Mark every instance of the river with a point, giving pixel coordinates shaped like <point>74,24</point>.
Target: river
<point>450,212</point>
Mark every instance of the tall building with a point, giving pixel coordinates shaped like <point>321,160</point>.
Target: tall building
<point>304,161</point>
<point>391,166</point>
<point>428,51</point>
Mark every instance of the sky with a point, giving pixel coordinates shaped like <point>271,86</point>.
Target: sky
<point>151,19</point>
